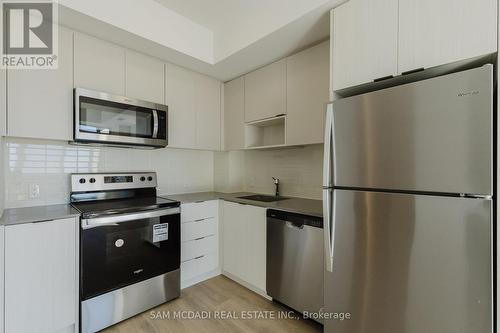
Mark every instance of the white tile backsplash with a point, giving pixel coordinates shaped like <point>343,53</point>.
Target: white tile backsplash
<point>49,163</point>
<point>300,171</point>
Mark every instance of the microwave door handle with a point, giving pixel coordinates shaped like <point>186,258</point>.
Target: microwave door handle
<point>155,124</point>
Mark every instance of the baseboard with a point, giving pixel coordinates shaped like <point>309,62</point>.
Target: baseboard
<point>200,278</point>
<point>247,285</point>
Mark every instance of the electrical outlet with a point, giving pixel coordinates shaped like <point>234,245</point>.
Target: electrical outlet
<point>34,191</point>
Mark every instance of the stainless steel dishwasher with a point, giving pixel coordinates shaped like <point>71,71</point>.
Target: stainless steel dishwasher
<point>295,264</point>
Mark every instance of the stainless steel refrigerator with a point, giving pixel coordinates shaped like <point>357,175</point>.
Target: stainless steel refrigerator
<point>408,207</point>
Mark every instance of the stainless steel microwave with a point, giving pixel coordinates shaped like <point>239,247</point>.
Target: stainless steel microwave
<point>117,120</point>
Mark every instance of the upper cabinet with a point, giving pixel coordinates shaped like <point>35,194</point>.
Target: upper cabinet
<point>193,109</point>
<point>373,39</point>
<point>99,65</point>
<point>40,102</point>
<point>144,77</point>
<point>435,32</point>
<point>181,107</point>
<point>364,40</point>
<point>208,115</point>
<point>307,82</point>
<point>3,102</point>
<point>234,114</point>
<point>265,92</point>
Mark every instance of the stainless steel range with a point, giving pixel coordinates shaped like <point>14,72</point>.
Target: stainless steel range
<point>129,246</point>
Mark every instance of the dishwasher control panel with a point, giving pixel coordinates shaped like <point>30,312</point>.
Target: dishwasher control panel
<point>295,218</point>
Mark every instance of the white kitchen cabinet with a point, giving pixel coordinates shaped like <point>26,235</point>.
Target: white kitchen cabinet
<point>307,87</point>
<point>244,244</point>
<point>233,239</point>
<point>3,102</point>
<point>40,102</point>
<point>144,77</point>
<point>199,241</point>
<point>208,115</point>
<point>364,42</point>
<point>255,218</point>
<point>265,92</point>
<point>199,210</point>
<point>436,32</point>
<point>2,278</point>
<point>41,291</point>
<point>99,65</point>
<point>180,92</point>
<point>234,114</point>
<point>193,109</point>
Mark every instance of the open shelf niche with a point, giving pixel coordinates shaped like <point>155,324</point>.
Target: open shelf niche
<point>266,133</point>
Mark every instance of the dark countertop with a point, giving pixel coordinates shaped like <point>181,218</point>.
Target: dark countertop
<point>13,216</point>
<point>292,204</point>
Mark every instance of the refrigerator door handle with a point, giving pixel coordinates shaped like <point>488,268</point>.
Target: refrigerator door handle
<point>327,159</point>
<point>329,227</point>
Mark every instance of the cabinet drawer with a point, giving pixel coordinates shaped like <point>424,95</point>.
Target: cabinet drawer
<point>198,210</point>
<point>198,229</point>
<point>198,247</point>
<point>198,266</point>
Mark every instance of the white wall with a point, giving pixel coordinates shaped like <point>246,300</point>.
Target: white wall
<point>299,170</point>
<point>49,163</point>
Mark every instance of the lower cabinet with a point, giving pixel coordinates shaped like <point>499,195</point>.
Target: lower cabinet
<point>199,242</point>
<point>41,276</point>
<point>244,244</point>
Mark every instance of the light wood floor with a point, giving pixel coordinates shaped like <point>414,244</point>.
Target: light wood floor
<point>215,295</point>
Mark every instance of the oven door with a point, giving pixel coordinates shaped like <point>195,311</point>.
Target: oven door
<point>120,250</point>
<point>110,119</point>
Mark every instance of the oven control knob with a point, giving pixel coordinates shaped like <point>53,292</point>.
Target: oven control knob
<point>82,180</point>
<point>143,178</point>
<point>92,180</point>
<point>150,178</point>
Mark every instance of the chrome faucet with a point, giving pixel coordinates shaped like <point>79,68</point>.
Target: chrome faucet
<point>277,184</point>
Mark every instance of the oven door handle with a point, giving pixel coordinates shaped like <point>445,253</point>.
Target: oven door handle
<point>119,218</point>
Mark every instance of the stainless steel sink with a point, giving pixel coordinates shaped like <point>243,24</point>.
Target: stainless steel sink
<point>262,198</point>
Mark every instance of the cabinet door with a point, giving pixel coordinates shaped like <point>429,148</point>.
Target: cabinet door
<point>255,243</point>
<point>234,114</point>
<point>181,107</point>
<point>3,102</point>
<point>144,78</point>
<point>265,92</point>
<point>48,111</point>
<point>41,276</point>
<point>99,65</point>
<point>365,42</point>
<point>2,277</point>
<point>234,235</point>
<point>208,120</point>
<point>434,32</point>
<point>307,87</point>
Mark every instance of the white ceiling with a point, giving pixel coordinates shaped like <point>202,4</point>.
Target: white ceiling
<point>220,38</point>
<point>239,23</point>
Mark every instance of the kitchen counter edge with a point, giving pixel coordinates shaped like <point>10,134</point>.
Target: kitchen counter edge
<point>35,214</point>
<point>303,206</point>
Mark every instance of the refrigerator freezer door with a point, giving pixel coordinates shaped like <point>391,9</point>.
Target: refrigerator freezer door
<point>410,264</point>
<point>434,135</point>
